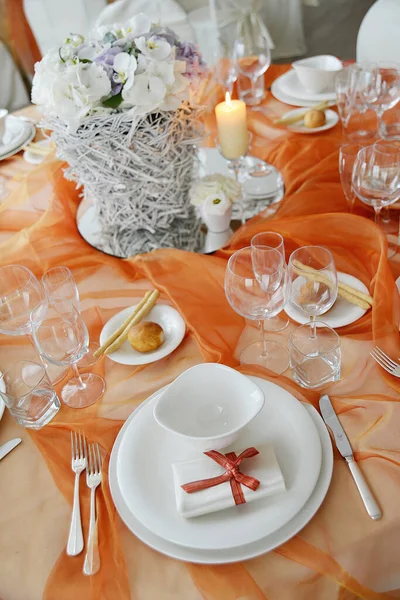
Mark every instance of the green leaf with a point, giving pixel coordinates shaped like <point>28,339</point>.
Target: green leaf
<point>114,101</point>
<point>84,60</point>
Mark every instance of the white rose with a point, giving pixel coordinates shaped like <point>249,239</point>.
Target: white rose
<point>216,204</point>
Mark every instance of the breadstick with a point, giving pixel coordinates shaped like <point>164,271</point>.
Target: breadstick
<point>120,329</point>
<point>344,291</point>
<point>136,319</point>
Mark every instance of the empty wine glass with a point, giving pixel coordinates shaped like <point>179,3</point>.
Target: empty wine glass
<point>258,298</point>
<point>313,282</point>
<point>62,339</point>
<point>252,55</point>
<point>376,176</point>
<point>261,243</point>
<point>356,124</point>
<point>347,156</point>
<point>59,282</point>
<point>225,67</point>
<point>380,86</point>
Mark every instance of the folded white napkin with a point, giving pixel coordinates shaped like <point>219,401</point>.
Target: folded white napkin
<point>263,467</point>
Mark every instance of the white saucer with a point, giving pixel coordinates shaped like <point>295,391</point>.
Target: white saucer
<point>332,119</point>
<point>166,316</point>
<point>2,389</point>
<point>232,554</point>
<point>36,159</point>
<point>18,133</point>
<point>146,484</point>
<point>290,85</point>
<point>282,97</point>
<point>342,312</point>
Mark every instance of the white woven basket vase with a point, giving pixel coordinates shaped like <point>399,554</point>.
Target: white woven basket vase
<point>139,174</point>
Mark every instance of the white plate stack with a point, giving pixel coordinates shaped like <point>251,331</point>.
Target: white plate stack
<point>288,89</point>
<point>18,133</point>
<point>142,484</point>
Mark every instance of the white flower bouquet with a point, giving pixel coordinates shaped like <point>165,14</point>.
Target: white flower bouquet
<point>120,104</point>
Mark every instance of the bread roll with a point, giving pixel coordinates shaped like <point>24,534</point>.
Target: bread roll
<point>146,336</point>
<point>314,118</point>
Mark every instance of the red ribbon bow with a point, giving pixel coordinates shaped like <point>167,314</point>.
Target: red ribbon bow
<point>236,478</point>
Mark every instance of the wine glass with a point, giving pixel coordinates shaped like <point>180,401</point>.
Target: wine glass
<point>261,243</point>
<point>252,56</point>
<point>376,176</point>
<point>59,282</point>
<point>380,86</point>
<point>258,298</point>
<point>351,105</point>
<point>313,282</point>
<point>225,67</point>
<point>62,339</point>
<point>347,155</point>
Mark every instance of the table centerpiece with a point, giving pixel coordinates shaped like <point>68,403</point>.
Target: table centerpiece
<point>121,105</point>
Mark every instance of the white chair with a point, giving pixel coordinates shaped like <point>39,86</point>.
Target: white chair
<point>379,35</point>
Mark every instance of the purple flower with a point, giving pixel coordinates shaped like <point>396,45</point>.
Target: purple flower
<point>195,66</point>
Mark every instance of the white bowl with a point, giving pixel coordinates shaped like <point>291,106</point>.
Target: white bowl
<point>317,73</point>
<point>209,405</point>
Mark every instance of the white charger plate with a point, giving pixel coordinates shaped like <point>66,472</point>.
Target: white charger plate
<point>2,389</point>
<point>147,486</point>
<point>166,316</point>
<point>18,133</point>
<point>342,312</point>
<point>240,553</point>
<point>290,85</point>
<point>332,119</point>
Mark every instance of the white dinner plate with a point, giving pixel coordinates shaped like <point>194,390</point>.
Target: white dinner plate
<point>166,316</point>
<point>282,97</point>
<point>18,133</point>
<point>2,389</point>
<point>290,85</point>
<point>342,312</point>
<point>237,553</point>
<point>147,484</point>
<point>332,119</point>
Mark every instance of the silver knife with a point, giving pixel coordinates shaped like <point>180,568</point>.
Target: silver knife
<point>343,445</point>
<point>8,446</point>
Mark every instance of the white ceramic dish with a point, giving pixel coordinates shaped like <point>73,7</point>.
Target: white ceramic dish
<point>18,133</point>
<point>279,94</point>
<point>208,405</point>
<point>2,389</point>
<point>166,316</point>
<point>36,159</point>
<point>331,116</point>
<point>342,312</point>
<point>289,84</point>
<point>147,485</point>
<point>238,553</point>
<point>317,73</point>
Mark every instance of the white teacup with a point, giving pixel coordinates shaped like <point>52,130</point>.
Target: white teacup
<point>3,116</point>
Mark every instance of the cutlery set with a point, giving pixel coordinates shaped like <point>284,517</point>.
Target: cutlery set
<point>85,457</point>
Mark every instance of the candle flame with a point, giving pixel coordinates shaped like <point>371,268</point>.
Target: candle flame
<point>228,99</point>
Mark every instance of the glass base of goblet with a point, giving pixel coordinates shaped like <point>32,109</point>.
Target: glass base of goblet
<point>74,396</point>
<point>273,356</point>
<point>276,324</point>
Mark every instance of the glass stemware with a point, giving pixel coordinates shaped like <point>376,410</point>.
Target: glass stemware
<point>376,176</point>
<point>225,68</point>
<point>258,297</point>
<point>62,339</point>
<point>251,52</point>
<point>352,109</point>
<point>313,282</point>
<point>380,87</point>
<point>261,243</point>
<point>347,156</point>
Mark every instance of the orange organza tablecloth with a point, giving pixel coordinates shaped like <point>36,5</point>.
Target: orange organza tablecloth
<point>341,554</point>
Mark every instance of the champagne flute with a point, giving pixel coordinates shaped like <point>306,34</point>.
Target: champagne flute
<point>261,243</point>
<point>313,282</point>
<point>258,298</point>
<point>62,339</point>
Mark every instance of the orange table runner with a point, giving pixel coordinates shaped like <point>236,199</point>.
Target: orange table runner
<point>341,554</point>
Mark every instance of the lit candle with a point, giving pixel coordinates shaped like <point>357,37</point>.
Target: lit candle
<point>232,127</point>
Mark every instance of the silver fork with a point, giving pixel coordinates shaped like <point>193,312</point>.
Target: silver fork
<point>78,464</point>
<point>93,478</point>
<point>385,361</point>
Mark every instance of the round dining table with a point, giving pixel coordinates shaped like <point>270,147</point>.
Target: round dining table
<point>341,554</point>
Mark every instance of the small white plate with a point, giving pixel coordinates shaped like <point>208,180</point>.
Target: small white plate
<point>2,389</point>
<point>332,119</point>
<point>239,553</point>
<point>290,85</point>
<point>342,312</point>
<point>166,316</point>
<point>147,486</point>
<point>18,134</point>
<point>36,159</point>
